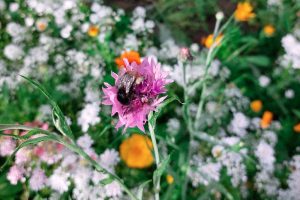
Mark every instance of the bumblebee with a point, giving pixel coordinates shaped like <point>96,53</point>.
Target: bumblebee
<point>125,86</point>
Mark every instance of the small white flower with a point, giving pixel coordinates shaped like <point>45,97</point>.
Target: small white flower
<point>13,52</point>
<point>289,94</point>
<point>85,141</point>
<point>264,81</point>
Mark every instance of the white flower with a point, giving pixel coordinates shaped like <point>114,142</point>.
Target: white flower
<point>14,29</point>
<point>235,167</point>
<point>265,181</point>
<point>89,116</point>
<point>113,189</point>
<point>109,159</point>
<point>289,94</point>
<point>59,181</point>
<point>217,151</point>
<point>37,180</point>
<point>139,12</point>
<point>66,31</point>
<point>194,47</point>
<point>173,125</point>
<point>239,124</point>
<point>13,52</point>
<point>203,173</point>
<point>85,141</point>
<point>292,48</point>
<point>13,7</point>
<point>265,154</point>
<point>274,2</point>
<point>264,81</point>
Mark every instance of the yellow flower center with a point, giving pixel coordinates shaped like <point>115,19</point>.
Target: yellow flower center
<point>93,31</point>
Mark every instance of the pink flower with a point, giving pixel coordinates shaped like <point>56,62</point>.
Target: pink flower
<point>23,156</point>
<point>15,174</point>
<point>138,87</point>
<point>37,180</point>
<point>7,146</point>
<point>48,152</point>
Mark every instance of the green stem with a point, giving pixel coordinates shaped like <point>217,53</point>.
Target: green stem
<point>157,160</point>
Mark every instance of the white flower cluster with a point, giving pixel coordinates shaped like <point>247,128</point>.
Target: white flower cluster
<point>71,170</point>
<point>293,191</point>
<point>291,46</point>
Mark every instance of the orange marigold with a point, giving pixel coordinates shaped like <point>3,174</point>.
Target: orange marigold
<point>93,31</point>
<point>297,128</point>
<point>209,40</point>
<point>131,56</point>
<point>244,12</point>
<point>269,30</point>
<point>170,179</point>
<point>136,151</point>
<point>256,105</point>
<point>266,119</point>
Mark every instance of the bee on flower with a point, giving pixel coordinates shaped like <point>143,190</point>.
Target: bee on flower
<point>136,92</point>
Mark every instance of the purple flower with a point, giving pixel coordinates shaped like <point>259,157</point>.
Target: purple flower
<point>136,92</point>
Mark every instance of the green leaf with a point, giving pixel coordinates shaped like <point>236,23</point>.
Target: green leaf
<point>141,189</point>
<point>161,169</point>
<point>106,181</point>
<point>58,116</point>
<point>262,61</point>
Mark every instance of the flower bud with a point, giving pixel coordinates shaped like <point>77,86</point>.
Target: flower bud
<point>185,54</point>
<point>219,15</point>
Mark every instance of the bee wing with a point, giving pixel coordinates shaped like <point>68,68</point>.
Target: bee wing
<point>126,81</point>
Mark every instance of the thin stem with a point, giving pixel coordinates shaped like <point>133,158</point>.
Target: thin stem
<point>157,160</point>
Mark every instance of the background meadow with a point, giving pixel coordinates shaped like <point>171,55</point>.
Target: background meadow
<point>229,128</point>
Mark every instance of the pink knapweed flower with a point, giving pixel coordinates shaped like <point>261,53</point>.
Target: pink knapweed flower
<point>136,92</point>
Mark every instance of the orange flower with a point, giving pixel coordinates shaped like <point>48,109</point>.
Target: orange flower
<point>244,12</point>
<point>209,40</point>
<point>256,105</point>
<point>136,151</point>
<point>170,179</point>
<point>297,128</point>
<point>269,30</point>
<point>41,25</point>
<point>131,56</point>
<point>93,31</point>
<point>266,119</point>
